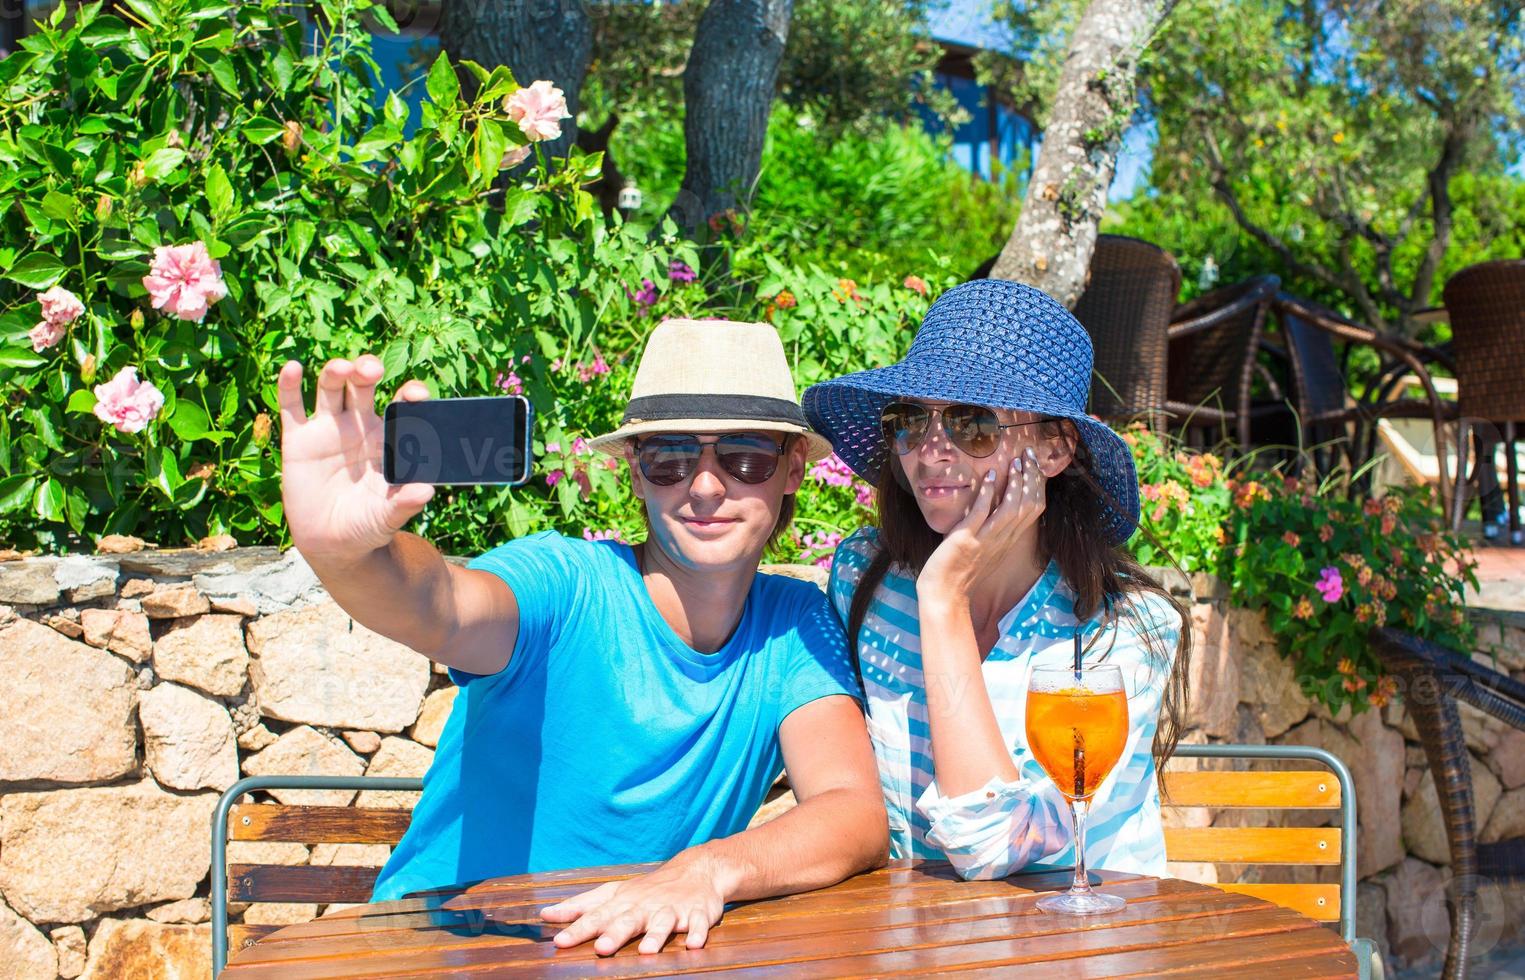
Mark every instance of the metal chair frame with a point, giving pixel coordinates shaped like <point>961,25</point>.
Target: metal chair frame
<point>252,784</point>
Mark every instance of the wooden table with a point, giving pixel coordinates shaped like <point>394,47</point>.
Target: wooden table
<point>911,918</point>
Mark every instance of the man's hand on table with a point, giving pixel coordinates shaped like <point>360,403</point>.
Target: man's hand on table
<point>684,895</point>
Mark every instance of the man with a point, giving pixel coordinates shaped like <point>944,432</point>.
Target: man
<point>617,704</point>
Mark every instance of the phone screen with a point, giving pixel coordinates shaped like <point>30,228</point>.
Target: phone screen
<point>457,441</point>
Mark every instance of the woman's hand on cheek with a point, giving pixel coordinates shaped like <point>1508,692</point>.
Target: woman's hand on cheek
<point>989,534</point>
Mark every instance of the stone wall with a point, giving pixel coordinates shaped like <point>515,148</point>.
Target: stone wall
<point>136,687</point>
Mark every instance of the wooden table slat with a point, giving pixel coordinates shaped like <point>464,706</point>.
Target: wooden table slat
<point>910,918</point>
<point>530,937</point>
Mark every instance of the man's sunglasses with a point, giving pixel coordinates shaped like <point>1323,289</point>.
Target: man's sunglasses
<point>669,460</point>
<point>974,429</point>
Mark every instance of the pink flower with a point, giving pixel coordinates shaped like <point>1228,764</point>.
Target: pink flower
<point>538,109</point>
<point>518,155</point>
<point>587,372</point>
<point>60,307</point>
<point>680,271</point>
<point>579,445</point>
<point>554,477</point>
<point>864,494</point>
<point>185,280</point>
<point>46,334</point>
<point>510,382</point>
<point>553,447</point>
<point>825,542</point>
<point>832,472</point>
<point>127,403</point>
<point>1330,585</point>
<point>611,534</point>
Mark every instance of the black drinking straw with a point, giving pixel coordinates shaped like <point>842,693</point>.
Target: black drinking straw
<point>1077,655</point>
<point>1080,750</point>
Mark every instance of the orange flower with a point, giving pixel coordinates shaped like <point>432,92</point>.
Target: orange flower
<point>1389,522</point>
<point>1325,532</point>
<point>1371,507</point>
<point>785,300</point>
<point>1292,539</point>
<point>916,284</point>
<point>1347,666</point>
<point>846,290</point>
<point>1303,609</point>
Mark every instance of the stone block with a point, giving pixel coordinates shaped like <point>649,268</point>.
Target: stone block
<point>204,652</point>
<point>66,709</point>
<point>64,857</point>
<point>317,666</point>
<point>141,948</point>
<point>188,739</point>
<point>305,752</point>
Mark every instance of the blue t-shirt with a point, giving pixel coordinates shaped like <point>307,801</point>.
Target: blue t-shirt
<point>607,739</point>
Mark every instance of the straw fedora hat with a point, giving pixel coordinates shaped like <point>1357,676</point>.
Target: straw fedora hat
<point>711,376</point>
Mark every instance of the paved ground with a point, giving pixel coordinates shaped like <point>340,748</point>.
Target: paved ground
<point>1501,575</point>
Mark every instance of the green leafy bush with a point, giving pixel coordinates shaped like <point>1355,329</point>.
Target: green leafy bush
<point>1325,567</point>
<point>191,121</point>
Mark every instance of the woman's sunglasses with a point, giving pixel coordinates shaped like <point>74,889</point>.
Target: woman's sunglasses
<point>669,460</point>
<point>974,429</point>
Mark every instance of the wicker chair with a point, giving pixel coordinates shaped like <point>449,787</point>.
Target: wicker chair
<point>1213,343</point>
<point>1486,303</point>
<point>1126,309</point>
<point>1329,418</point>
<point>1433,679</point>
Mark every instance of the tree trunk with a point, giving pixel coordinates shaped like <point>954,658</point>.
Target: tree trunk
<point>727,93</point>
<point>1051,246</point>
<point>536,39</point>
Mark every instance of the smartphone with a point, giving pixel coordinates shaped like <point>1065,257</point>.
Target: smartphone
<point>458,440</point>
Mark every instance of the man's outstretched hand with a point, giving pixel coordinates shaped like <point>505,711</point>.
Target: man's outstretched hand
<point>684,895</point>
<point>338,505</point>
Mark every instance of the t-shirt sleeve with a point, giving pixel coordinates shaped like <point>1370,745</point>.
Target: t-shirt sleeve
<point>818,665</point>
<point>542,572</point>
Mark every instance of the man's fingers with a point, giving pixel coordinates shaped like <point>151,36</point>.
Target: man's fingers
<point>619,932</point>
<point>288,393</point>
<point>413,391</point>
<point>589,924</point>
<point>331,384</point>
<point>362,383</point>
<point>698,928</point>
<point>658,928</point>
<point>570,908</point>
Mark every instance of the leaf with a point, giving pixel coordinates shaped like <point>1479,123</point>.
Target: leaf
<point>394,358</point>
<point>224,75</point>
<point>37,270</point>
<point>49,503</point>
<point>15,491</point>
<point>189,421</point>
<point>60,206</point>
<point>17,357</point>
<point>82,402</point>
<point>261,130</point>
<point>219,190</point>
<point>444,88</point>
<point>147,10</point>
<point>104,30</point>
<point>302,232</point>
<point>491,143</point>
<point>519,207</point>
<point>161,163</point>
<point>497,85</point>
<point>282,68</point>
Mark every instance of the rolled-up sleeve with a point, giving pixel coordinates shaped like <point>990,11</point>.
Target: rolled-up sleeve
<point>998,829</point>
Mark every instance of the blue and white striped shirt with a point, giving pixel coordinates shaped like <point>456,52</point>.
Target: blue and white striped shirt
<point>1005,827</point>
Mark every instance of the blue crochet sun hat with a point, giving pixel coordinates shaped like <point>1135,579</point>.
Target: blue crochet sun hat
<point>986,342</point>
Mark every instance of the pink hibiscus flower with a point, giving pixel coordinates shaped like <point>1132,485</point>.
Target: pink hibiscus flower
<point>126,402</point>
<point>185,280</point>
<point>539,110</point>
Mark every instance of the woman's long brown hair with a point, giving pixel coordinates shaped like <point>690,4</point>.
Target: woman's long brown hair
<point>1070,531</point>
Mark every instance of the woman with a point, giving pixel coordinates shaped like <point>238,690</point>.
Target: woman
<point>1002,509</point>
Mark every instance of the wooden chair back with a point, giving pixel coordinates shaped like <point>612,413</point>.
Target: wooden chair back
<point>276,822</point>
<point>1325,788</point>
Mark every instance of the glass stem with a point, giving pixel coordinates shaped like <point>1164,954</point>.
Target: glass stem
<point>1081,884</point>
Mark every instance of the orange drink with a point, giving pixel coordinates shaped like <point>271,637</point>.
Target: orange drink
<point>1077,736</point>
<point>1077,725</point>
